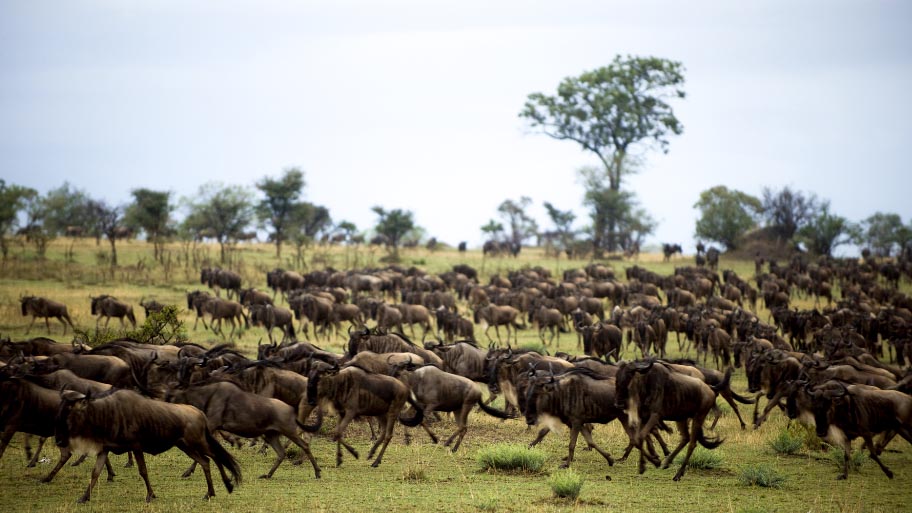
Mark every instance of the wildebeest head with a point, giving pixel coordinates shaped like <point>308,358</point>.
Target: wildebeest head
<point>625,374</point>
<point>823,398</point>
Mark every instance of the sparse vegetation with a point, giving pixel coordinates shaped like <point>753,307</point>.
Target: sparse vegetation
<point>510,457</point>
<point>703,459</point>
<point>761,475</point>
<point>787,442</point>
<point>566,484</point>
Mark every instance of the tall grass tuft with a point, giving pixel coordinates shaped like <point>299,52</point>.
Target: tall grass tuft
<point>566,484</point>
<point>510,457</point>
<point>787,442</point>
<point>856,460</point>
<point>703,459</point>
<point>761,475</point>
<point>537,347</point>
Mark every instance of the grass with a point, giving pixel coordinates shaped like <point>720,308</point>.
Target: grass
<point>787,442</point>
<point>511,458</point>
<point>764,476</point>
<point>416,477</point>
<point>566,484</point>
<point>702,459</point>
<point>857,459</point>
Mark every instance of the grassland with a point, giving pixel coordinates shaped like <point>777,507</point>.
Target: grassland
<point>420,476</point>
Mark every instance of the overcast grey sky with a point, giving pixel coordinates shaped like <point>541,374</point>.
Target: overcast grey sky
<point>413,104</point>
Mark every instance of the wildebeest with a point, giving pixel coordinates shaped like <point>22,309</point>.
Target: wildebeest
<point>229,408</point>
<point>353,393</point>
<point>103,368</point>
<point>109,306</point>
<point>121,421</point>
<point>843,413</point>
<point>218,279</point>
<point>601,339</point>
<point>668,250</point>
<point>253,296</point>
<point>438,390</point>
<point>365,340</point>
<point>219,309</point>
<point>496,315</point>
<point>151,306</point>
<point>651,392</point>
<point>43,307</point>
<point>270,317</point>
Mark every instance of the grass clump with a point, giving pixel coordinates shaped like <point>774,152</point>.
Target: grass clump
<point>566,484</point>
<point>703,459</point>
<point>538,347</point>
<point>510,457</point>
<point>788,442</point>
<point>856,460</point>
<point>761,475</point>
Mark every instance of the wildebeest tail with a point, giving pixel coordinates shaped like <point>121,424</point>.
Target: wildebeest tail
<point>709,443</point>
<point>223,458</point>
<point>725,383</point>
<point>741,399</point>
<point>417,418</point>
<point>494,412</point>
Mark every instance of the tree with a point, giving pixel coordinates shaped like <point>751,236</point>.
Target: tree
<point>613,112</point>
<point>492,229</point>
<point>278,208</point>
<point>68,212</point>
<point>825,231</point>
<point>13,199</point>
<point>882,232</point>
<point>786,211</point>
<point>563,221</point>
<point>617,221</point>
<point>109,220</point>
<point>393,224</point>
<point>520,225</point>
<point>151,211</point>
<point>726,215</point>
<point>222,211</point>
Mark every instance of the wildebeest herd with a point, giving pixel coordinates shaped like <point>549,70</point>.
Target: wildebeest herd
<point>842,368</point>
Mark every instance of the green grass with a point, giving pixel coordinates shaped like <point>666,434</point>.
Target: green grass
<point>702,458</point>
<point>510,457</point>
<point>420,476</point>
<point>761,475</point>
<point>787,442</point>
<point>566,484</point>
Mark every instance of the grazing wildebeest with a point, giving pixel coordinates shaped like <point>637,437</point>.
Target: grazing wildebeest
<point>218,279</point>
<point>270,317</point>
<point>229,408</point>
<point>353,393</point>
<point>668,250</point>
<point>123,421</point>
<point>651,392</point>
<point>43,307</point>
<point>219,309</point>
<point>109,306</point>
<point>497,316</point>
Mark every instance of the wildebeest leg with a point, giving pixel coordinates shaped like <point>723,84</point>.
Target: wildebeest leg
<point>78,461</point>
<point>273,440</point>
<point>462,421</point>
<point>574,434</point>
<point>587,435</point>
<point>387,436</point>
<point>305,448</point>
<point>32,324</point>
<point>99,464</point>
<point>129,462</point>
<point>769,406</point>
<point>684,430</point>
<point>430,433</point>
<point>204,462</point>
<point>731,402</point>
<point>340,442</point>
<point>7,436</point>
<point>718,412</point>
<point>47,323</point>
<point>541,436</point>
<point>64,457</point>
<point>869,443</point>
<point>34,459</point>
<point>144,473</point>
<point>189,472</point>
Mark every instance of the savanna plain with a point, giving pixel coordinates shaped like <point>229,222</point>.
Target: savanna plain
<point>418,476</point>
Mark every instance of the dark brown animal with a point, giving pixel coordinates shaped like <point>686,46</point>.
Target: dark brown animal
<point>43,307</point>
<point>109,306</point>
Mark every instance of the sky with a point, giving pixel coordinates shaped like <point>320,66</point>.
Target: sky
<point>414,104</point>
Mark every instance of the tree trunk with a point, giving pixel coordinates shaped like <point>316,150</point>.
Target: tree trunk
<point>278,248</point>
<point>113,241</point>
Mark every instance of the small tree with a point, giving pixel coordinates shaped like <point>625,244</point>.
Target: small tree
<point>563,221</point>
<point>726,215</point>
<point>825,231</point>
<point>151,211</point>
<point>786,211</point>
<point>493,229</point>
<point>520,225</point>
<point>109,220</point>
<point>222,211</point>
<point>13,199</point>
<point>278,208</point>
<point>883,232</point>
<point>393,224</point>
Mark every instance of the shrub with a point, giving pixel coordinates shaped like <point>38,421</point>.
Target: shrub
<point>510,457</point>
<point>701,458</point>
<point>761,475</point>
<point>566,484</point>
<point>856,460</point>
<point>538,347</point>
<point>787,442</point>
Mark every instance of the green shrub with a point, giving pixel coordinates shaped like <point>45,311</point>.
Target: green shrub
<point>538,347</point>
<point>856,460</point>
<point>787,442</point>
<point>510,457</point>
<point>566,484</point>
<point>701,458</point>
<point>761,475</point>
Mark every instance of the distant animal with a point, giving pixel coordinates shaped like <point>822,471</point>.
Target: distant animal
<point>109,306</point>
<point>668,250</point>
<point>43,307</point>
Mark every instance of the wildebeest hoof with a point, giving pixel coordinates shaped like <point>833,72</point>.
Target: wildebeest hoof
<point>84,499</point>
<point>607,478</point>
<point>565,464</point>
<point>265,476</point>
<point>375,464</point>
<point>150,497</point>
<point>187,474</point>
<point>676,478</point>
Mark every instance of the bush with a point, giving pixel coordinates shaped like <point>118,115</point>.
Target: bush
<point>566,484</point>
<point>761,475</point>
<point>510,457</point>
<point>787,442</point>
<point>537,347</point>
<point>856,460</point>
<point>701,458</point>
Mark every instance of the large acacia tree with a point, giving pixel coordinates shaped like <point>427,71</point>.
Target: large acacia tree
<point>393,224</point>
<point>614,112</point>
<point>151,211</point>
<point>280,208</point>
<point>726,215</point>
<point>223,212</point>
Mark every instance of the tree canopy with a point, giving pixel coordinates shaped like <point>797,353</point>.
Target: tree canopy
<point>825,231</point>
<point>786,211</point>
<point>280,206</point>
<point>151,211</point>
<point>393,224</point>
<point>521,226</point>
<point>726,215</point>
<point>884,232</point>
<point>13,199</point>
<point>222,211</point>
